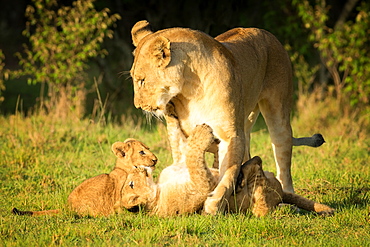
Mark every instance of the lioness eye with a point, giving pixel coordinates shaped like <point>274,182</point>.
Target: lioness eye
<point>142,152</point>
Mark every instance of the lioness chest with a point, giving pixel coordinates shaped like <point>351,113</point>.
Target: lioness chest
<point>220,118</point>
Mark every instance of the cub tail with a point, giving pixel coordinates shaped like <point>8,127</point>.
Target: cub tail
<point>36,213</point>
<point>307,204</point>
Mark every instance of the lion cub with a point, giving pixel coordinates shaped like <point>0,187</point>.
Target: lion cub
<point>101,195</point>
<point>184,187</point>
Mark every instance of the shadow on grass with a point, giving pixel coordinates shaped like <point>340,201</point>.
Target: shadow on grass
<point>347,196</point>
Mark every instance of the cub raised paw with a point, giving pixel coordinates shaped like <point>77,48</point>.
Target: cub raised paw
<point>201,137</point>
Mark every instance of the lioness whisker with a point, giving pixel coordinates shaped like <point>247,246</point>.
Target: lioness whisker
<point>159,117</point>
<point>122,73</point>
<point>148,116</point>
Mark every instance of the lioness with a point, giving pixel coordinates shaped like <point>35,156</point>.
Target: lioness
<point>224,82</point>
<point>183,188</point>
<point>101,195</point>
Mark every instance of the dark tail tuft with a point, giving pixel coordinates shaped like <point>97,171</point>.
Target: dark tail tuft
<point>319,140</point>
<point>18,212</point>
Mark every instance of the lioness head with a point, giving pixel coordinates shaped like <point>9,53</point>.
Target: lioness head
<point>157,71</point>
<point>131,153</point>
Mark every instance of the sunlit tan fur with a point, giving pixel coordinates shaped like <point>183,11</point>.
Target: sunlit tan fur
<point>101,195</point>
<point>184,187</point>
<point>224,82</point>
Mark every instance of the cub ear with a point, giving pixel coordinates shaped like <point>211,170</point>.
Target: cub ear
<point>119,149</point>
<point>139,31</point>
<point>160,49</point>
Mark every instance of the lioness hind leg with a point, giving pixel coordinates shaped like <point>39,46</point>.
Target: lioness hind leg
<point>277,118</point>
<point>248,124</point>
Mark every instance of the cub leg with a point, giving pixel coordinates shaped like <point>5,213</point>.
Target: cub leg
<point>201,176</point>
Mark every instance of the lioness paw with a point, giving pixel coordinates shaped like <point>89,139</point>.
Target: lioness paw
<point>212,205</point>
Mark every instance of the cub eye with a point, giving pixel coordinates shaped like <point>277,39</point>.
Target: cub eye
<point>131,184</point>
<point>142,152</point>
<point>141,82</point>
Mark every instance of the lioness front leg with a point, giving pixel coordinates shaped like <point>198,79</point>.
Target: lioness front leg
<point>229,170</point>
<point>176,136</point>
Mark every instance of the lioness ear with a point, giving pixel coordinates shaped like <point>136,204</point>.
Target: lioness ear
<point>160,48</point>
<point>139,31</point>
<point>119,149</point>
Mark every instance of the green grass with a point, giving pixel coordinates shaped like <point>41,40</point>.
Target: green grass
<point>42,160</point>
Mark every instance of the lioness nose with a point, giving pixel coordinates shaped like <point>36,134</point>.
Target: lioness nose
<point>154,162</point>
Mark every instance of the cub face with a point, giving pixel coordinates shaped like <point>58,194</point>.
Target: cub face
<point>138,189</point>
<point>131,153</point>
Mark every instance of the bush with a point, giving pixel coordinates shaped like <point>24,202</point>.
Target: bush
<point>3,75</point>
<point>62,39</point>
<point>343,50</point>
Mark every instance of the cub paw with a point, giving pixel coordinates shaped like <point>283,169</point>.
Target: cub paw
<point>329,212</point>
<point>170,110</point>
<point>202,136</point>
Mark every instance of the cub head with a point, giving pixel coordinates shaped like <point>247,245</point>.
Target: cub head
<point>132,153</point>
<point>157,70</point>
<point>138,189</point>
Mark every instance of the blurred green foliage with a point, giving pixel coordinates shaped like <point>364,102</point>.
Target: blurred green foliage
<point>344,50</point>
<point>61,42</point>
<point>3,75</point>
<point>64,41</point>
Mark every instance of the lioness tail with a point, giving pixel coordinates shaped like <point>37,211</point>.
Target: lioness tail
<point>314,141</point>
